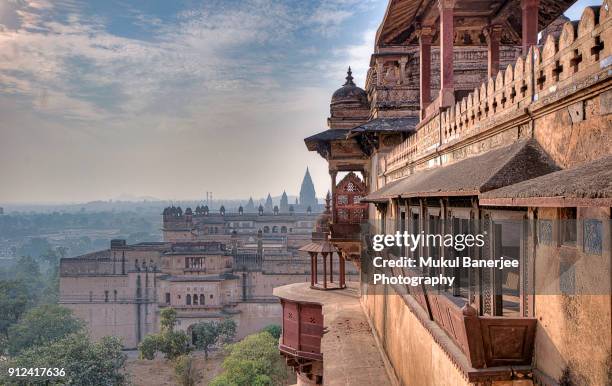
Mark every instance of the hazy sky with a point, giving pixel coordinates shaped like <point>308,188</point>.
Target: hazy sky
<point>171,99</point>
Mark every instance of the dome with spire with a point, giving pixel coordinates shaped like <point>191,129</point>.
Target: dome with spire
<point>349,106</point>
<point>349,92</point>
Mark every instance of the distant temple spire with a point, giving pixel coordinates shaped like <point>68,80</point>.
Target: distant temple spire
<point>284,203</point>
<point>269,205</point>
<point>250,206</point>
<point>308,195</point>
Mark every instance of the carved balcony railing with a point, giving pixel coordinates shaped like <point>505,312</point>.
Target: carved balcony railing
<point>562,67</point>
<point>486,341</point>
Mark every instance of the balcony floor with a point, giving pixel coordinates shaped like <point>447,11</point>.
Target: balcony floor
<point>350,354</point>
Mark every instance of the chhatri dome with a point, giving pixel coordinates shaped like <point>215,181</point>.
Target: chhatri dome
<point>349,92</point>
<point>349,105</point>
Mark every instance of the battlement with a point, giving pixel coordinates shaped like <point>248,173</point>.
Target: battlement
<point>562,70</point>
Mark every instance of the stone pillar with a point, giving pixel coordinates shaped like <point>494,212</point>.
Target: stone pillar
<point>342,273</point>
<point>379,72</point>
<point>331,267</point>
<point>333,174</point>
<point>493,35</point>
<point>313,268</point>
<point>402,62</point>
<point>530,10</point>
<point>425,68</point>
<point>447,86</point>
<point>324,270</point>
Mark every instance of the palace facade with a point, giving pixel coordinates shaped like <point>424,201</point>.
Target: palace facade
<point>468,124</point>
<point>210,266</point>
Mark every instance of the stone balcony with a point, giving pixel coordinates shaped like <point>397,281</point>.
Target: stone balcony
<point>347,349</point>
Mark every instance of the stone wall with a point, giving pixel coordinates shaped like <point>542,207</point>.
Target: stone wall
<point>573,334</point>
<point>415,356</point>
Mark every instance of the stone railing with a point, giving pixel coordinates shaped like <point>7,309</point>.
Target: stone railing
<point>577,59</point>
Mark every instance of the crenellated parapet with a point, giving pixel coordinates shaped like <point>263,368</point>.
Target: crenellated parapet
<point>560,71</point>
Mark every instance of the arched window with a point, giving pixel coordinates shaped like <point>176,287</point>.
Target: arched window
<point>202,299</point>
<point>283,229</point>
<point>195,299</point>
<point>274,229</point>
<point>188,300</point>
<point>106,296</point>
<point>266,229</point>
<point>115,295</point>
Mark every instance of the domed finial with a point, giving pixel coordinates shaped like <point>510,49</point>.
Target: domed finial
<point>349,78</point>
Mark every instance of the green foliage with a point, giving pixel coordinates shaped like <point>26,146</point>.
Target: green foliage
<point>175,344</point>
<point>227,330</point>
<point>253,361</point>
<point>171,343</point>
<point>14,298</point>
<point>42,325</point>
<point>273,329</point>
<point>85,363</point>
<point>35,247</point>
<point>167,319</point>
<point>185,371</point>
<point>207,334</point>
<point>149,345</point>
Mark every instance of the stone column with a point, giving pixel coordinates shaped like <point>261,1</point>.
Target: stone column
<point>379,72</point>
<point>530,10</point>
<point>324,270</point>
<point>316,268</point>
<point>493,35</point>
<point>342,273</point>
<point>313,268</point>
<point>333,174</point>
<point>447,86</point>
<point>425,68</point>
<point>402,62</point>
<point>331,267</point>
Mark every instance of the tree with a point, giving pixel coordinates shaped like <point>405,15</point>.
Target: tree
<point>227,330</point>
<point>273,329</point>
<point>253,361</point>
<point>208,334</point>
<point>42,325</point>
<point>171,343</point>
<point>167,319</point>
<point>185,371</point>
<point>35,247</point>
<point>174,344</point>
<point>14,298</point>
<point>84,363</point>
<point>149,345</point>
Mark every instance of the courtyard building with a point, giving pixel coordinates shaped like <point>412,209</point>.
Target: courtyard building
<point>209,266</point>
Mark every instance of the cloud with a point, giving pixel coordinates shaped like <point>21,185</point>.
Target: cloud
<point>236,84</point>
